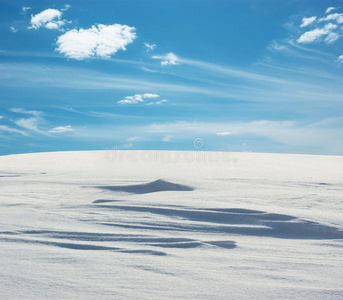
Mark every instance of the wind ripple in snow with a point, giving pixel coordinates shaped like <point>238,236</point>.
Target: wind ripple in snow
<point>230,221</point>
<point>75,241</point>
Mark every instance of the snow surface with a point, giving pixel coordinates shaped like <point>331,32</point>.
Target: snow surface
<point>162,225</point>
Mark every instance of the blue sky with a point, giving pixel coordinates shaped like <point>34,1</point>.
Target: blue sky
<point>258,76</point>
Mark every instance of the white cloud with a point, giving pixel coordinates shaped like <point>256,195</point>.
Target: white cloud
<point>49,18</point>
<point>24,9</point>
<point>307,21</point>
<point>168,59</point>
<point>35,113</point>
<point>150,96</point>
<point>328,33</point>
<point>149,47</point>
<point>225,133</point>
<point>66,7</point>
<point>317,34</point>
<point>60,129</point>
<point>312,36</point>
<point>329,9</point>
<point>1,117</point>
<point>340,59</point>
<point>149,70</point>
<point>127,145</point>
<point>161,101</point>
<point>334,17</point>
<point>330,26</point>
<point>32,122</point>
<point>54,25</point>
<point>137,98</point>
<point>127,101</point>
<point>157,102</point>
<point>13,29</point>
<point>167,138</point>
<point>132,139</point>
<point>99,40</point>
<point>29,123</point>
<point>13,130</point>
<point>333,36</point>
<point>131,99</point>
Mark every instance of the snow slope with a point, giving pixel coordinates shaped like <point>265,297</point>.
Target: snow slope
<point>162,225</point>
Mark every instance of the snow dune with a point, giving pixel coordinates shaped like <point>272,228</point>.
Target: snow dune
<point>163,225</point>
<point>151,187</point>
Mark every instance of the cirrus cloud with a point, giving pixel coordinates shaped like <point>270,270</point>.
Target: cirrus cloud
<point>225,133</point>
<point>99,40</point>
<point>61,129</point>
<point>6,128</point>
<point>29,123</point>
<point>157,102</point>
<point>35,113</point>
